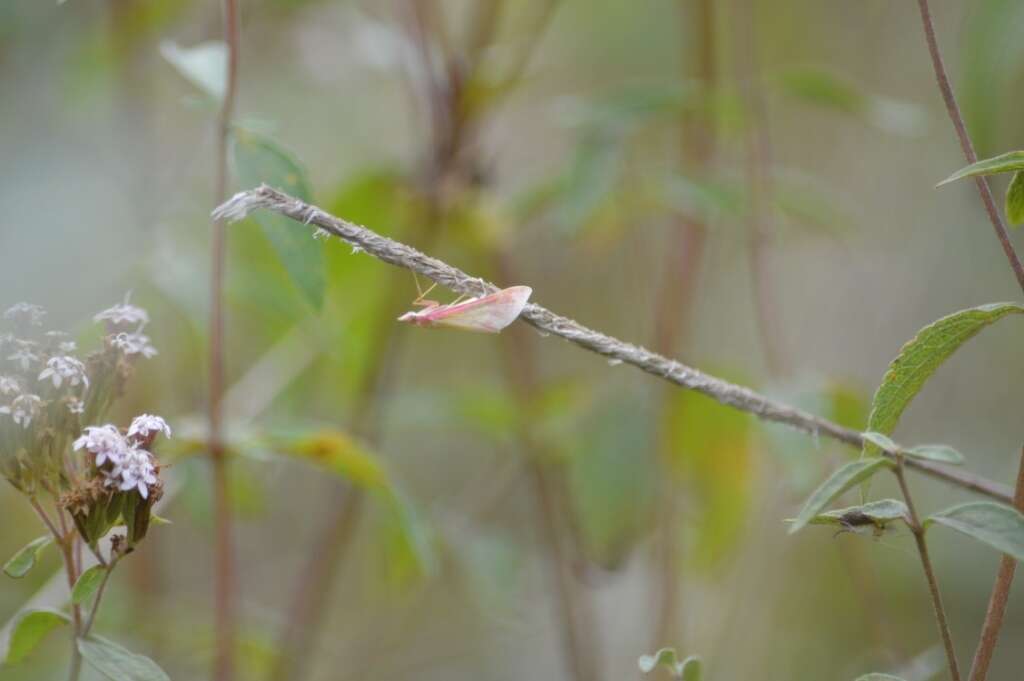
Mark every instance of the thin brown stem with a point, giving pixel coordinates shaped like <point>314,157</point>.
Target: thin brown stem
<point>99,597</point>
<point>758,150</point>
<point>41,512</point>
<point>926,563</point>
<point>674,306</point>
<point>66,552</point>
<point>225,583</point>
<point>547,322</point>
<point>953,109</point>
<point>1000,595</point>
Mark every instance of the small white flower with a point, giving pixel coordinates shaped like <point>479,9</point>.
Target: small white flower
<point>135,471</point>
<point>24,408</point>
<point>9,386</point>
<point>76,406</point>
<point>134,344</point>
<point>60,368</point>
<point>106,442</point>
<point>124,314</point>
<point>145,424</point>
<point>24,356</point>
<point>33,314</point>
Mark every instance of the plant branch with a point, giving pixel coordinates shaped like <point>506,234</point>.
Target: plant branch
<point>1000,595</point>
<point>926,563</point>
<point>41,512</point>
<point>953,109</point>
<point>547,322</point>
<point>224,559</point>
<point>99,595</point>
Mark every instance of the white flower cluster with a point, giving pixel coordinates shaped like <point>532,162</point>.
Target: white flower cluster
<point>134,344</point>
<point>61,368</point>
<point>23,409</point>
<point>130,466</point>
<point>27,312</point>
<point>124,314</point>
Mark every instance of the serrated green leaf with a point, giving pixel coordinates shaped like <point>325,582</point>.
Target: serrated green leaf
<point>937,453</point>
<point>921,357</point>
<point>840,481</point>
<point>997,525</point>
<point>1004,163</point>
<point>117,663</point>
<point>204,65</point>
<point>87,584</point>
<point>24,560</point>
<point>1015,199</point>
<point>875,676</point>
<point>666,657</point>
<point>256,160</point>
<point>31,628</point>
<point>880,513</point>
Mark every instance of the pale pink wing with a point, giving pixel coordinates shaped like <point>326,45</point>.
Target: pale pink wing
<point>489,314</point>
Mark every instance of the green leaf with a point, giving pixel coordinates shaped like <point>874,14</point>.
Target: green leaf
<point>256,160</point>
<point>31,628</point>
<point>877,513</point>
<point>937,453</point>
<point>118,664</point>
<point>1004,163</point>
<point>340,454</point>
<point>883,442</point>
<point>997,525</point>
<point>840,481</point>
<point>666,657</point>
<point>1015,199</point>
<point>875,676</point>
<point>921,357</point>
<point>25,559</point>
<point>691,669</point>
<point>204,65</point>
<point>87,584</point>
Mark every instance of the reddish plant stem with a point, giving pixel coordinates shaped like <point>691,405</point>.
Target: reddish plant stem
<point>953,109</point>
<point>918,530</point>
<point>675,301</point>
<point>760,211</point>
<point>1000,595</point>
<point>225,582</point>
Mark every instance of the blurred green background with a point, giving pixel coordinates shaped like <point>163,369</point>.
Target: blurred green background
<point>460,494</point>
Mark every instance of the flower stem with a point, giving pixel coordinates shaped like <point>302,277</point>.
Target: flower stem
<point>953,109</point>
<point>1000,595</point>
<point>926,564</point>
<point>224,559</point>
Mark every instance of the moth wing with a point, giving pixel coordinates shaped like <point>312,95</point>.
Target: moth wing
<point>489,314</point>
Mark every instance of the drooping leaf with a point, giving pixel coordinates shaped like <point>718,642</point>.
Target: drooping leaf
<point>876,513</point>
<point>31,628</point>
<point>707,449</point>
<point>24,560</point>
<point>87,584</point>
<point>997,525</point>
<point>204,65</point>
<point>1009,162</point>
<point>340,454</point>
<point>117,663</point>
<point>1015,199</point>
<point>921,357</point>
<point>405,542</point>
<point>610,484</point>
<point>840,481</point>
<point>258,159</point>
<point>937,453</point>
